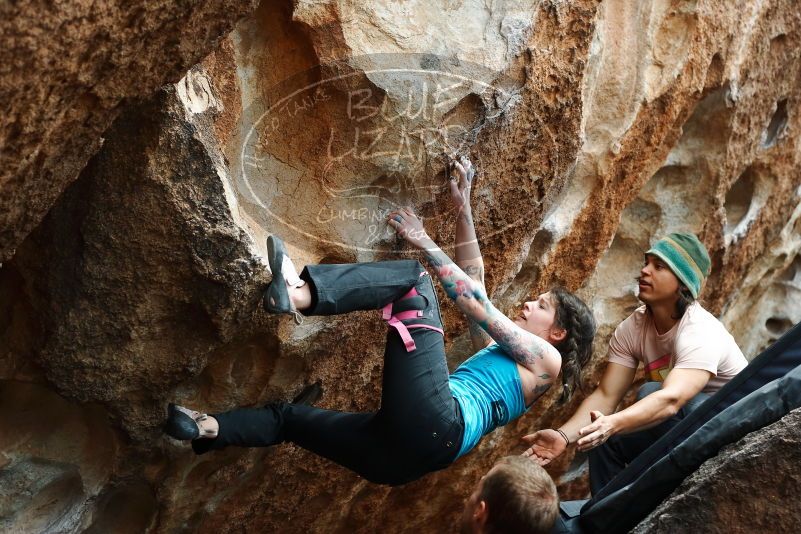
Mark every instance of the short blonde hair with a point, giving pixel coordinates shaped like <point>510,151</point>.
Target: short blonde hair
<point>521,498</point>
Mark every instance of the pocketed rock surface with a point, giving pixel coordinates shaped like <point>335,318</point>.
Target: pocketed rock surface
<point>596,127</point>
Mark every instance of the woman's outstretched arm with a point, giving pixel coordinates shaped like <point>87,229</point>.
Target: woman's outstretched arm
<point>470,296</point>
<point>467,252</point>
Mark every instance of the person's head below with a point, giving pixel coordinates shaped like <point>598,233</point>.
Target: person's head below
<point>673,273</point>
<point>566,322</point>
<point>515,496</point>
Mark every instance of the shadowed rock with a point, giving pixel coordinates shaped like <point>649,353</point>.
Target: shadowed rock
<point>750,486</point>
<point>67,68</point>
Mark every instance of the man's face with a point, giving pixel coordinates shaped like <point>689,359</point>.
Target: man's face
<point>474,512</point>
<point>657,283</point>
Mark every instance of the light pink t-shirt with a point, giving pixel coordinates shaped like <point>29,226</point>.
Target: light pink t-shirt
<point>697,341</point>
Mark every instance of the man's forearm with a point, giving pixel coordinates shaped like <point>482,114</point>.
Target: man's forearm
<point>645,413</point>
<point>679,387</point>
<point>595,401</point>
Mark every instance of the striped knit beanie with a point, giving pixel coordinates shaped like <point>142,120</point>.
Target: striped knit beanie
<point>687,258</point>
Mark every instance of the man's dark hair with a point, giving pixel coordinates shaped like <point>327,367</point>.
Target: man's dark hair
<point>521,498</point>
<point>685,299</point>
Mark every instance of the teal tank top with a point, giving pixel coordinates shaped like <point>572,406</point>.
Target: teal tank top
<point>488,389</point>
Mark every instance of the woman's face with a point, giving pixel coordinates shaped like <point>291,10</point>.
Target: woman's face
<point>538,317</point>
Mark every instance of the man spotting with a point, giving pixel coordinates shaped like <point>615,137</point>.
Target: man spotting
<point>687,354</point>
<point>516,496</point>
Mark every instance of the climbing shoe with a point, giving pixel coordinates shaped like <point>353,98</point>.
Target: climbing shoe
<point>276,296</point>
<point>309,395</point>
<point>182,424</point>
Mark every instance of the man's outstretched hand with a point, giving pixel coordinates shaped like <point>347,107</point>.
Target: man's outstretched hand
<point>544,445</point>
<point>597,432</point>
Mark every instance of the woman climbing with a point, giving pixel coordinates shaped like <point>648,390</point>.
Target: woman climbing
<point>427,418</point>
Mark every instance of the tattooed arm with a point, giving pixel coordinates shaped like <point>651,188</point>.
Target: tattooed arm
<point>527,349</point>
<point>467,252</point>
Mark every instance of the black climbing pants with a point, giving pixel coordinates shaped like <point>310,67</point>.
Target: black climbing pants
<point>418,428</point>
<point>611,457</point>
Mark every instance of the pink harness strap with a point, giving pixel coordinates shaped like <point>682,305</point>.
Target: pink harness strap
<point>394,320</point>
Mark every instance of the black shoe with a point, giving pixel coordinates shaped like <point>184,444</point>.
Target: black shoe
<point>182,423</point>
<point>309,395</point>
<point>276,296</point>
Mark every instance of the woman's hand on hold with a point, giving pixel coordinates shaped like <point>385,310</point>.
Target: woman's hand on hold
<point>461,173</point>
<point>544,445</point>
<point>410,227</point>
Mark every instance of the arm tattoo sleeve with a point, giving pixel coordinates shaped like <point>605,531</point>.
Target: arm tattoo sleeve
<point>525,348</point>
<point>454,280</point>
<point>478,336</point>
<point>467,252</point>
<point>471,270</point>
<point>471,298</point>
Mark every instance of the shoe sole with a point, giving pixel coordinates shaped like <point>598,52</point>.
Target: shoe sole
<point>275,251</point>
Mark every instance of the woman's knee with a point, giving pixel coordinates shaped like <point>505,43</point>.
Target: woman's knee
<point>404,266</point>
<point>425,287</point>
